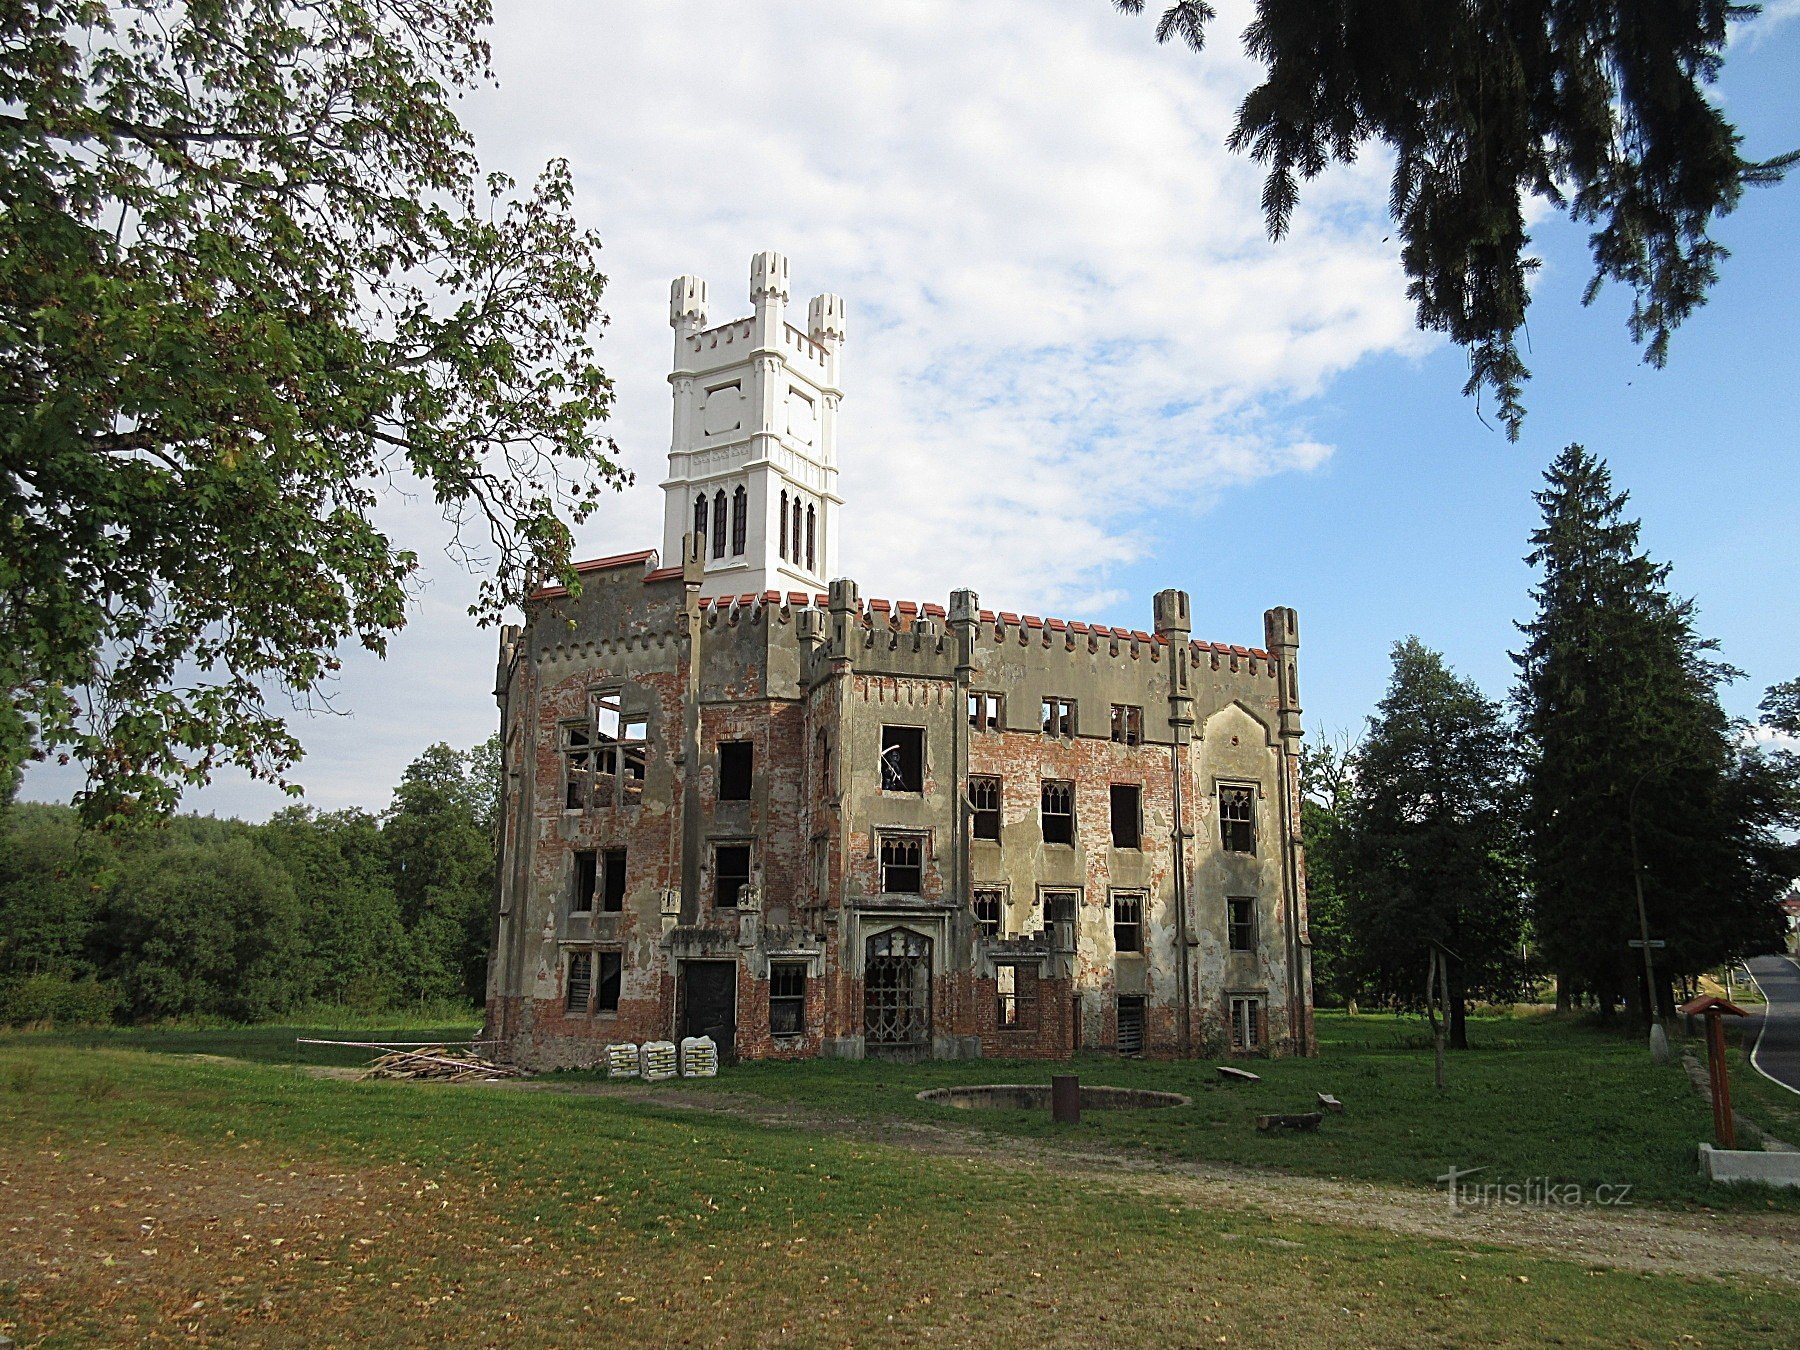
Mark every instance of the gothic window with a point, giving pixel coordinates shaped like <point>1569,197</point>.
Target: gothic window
<point>984,806</point>
<point>787,998</point>
<point>700,522</point>
<point>902,864</point>
<point>897,992</point>
<point>784,523</point>
<point>796,527</point>
<point>1237,818</point>
<point>1128,922</point>
<point>740,520</point>
<point>718,523</point>
<point>1056,813</point>
<point>988,906</point>
<point>811,522</point>
<point>578,987</point>
<point>731,873</point>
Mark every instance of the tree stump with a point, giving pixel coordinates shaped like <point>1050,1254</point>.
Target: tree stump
<point>1308,1120</point>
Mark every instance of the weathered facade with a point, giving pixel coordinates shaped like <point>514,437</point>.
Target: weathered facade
<point>807,822</point>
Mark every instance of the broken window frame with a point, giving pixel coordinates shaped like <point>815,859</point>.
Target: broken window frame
<point>576,742</point>
<point>609,979</point>
<point>1015,997</point>
<point>984,806</point>
<point>578,982</point>
<point>985,710</point>
<point>736,881</point>
<point>1058,717</point>
<point>583,881</point>
<point>611,878</point>
<point>736,781</point>
<point>901,771</point>
<point>901,857</point>
<point>1128,921</point>
<point>1127,724</point>
<point>1240,924</point>
<point>787,999</point>
<point>1053,825</point>
<point>988,905</point>
<point>1237,817</point>
<point>1248,1029</point>
<point>1132,817</point>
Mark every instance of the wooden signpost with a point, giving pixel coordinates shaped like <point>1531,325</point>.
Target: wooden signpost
<point>1717,1010</point>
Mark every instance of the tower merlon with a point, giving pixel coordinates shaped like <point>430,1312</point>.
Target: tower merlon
<point>768,279</point>
<point>825,319</point>
<point>687,303</point>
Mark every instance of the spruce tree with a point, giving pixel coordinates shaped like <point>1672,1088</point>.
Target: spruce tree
<point>1432,856</point>
<point>1633,772</point>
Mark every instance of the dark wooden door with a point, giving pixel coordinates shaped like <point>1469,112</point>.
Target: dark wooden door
<point>709,1004</point>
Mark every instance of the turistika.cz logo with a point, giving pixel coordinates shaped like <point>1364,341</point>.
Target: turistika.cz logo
<point>1537,1192</point>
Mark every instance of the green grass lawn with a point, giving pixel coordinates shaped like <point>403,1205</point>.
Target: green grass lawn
<point>259,1203</point>
<point>268,1044</point>
<point>1535,1096</point>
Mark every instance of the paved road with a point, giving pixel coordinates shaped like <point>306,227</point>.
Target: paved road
<point>1777,1054</point>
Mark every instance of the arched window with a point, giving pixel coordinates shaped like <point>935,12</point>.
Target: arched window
<point>740,520</point>
<point>811,528</point>
<point>700,523</point>
<point>719,523</point>
<point>796,527</point>
<point>784,528</point>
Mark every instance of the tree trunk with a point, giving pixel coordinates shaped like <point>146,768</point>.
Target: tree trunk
<point>1565,999</point>
<point>1459,1027</point>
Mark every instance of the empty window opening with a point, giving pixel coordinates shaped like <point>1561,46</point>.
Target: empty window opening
<point>1127,816</point>
<point>1056,813</point>
<point>740,521</point>
<point>611,976</point>
<point>984,711</point>
<point>718,523</point>
<point>578,765</point>
<point>578,988</point>
<point>1059,717</point>
<point>902,864</point>
<point>1240,923</point>
<point>984,806</point>
<point>1237,818</point>
<point>1131,1025</point>
<point>612,873</point>
<point>581,897</point>
<point>1127,724</point>
<point>989,905</point>
<point>787,998</point>
<point>736,762</point>
<point>1128,923</point>
<point>903,759</point>
<point>1246,1023</point>
<point>1015,995</point>
<point>731,873</point>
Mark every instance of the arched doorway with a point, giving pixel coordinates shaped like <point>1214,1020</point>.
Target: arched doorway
<point>897,995</point>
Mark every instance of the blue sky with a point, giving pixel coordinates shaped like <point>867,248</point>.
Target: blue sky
<point>1076,370</point>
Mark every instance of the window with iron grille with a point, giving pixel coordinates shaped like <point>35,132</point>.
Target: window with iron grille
<point>1237,818</point>
<point>581,894</point>
<point>612,878</point>
<point>1240,923</point>
<point>731,873</point>
<point>984,806</point>
<point>736,760</point>
<point>1131,1025</point>
<point>1128,921</point>
<point>984,711</point>
<point>902,864</point>
<point>989,905</point>
<point>1059,717</point>
<point>1056,812</point>
<point>1246,1023</point>
<point>787,998</point>
<point>1127,816</point>
<point>578,986</point>
<point>1127,724</point>
<point>740,521</point>
<point>611,972</point>
<point>1015,992</point>
<point>903,759</point>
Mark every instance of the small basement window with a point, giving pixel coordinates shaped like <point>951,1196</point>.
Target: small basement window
<point>736,759</point>
<point>1056,813</point>
<point>984,806</point>
<point>787,998</point>
<point>902,864</point>
<point>903,759</point>
<point>1127,816</point>
<point>731,873</point>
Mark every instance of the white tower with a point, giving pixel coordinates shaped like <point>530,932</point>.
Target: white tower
<point>753,458</point>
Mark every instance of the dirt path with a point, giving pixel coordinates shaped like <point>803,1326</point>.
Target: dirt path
<point>1626,1237</point>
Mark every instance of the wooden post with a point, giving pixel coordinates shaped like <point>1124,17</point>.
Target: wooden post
<point>1065,1099</point>
<point>1717,1075</point>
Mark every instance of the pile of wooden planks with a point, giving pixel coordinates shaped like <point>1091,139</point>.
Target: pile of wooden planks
<point>441,1064</point>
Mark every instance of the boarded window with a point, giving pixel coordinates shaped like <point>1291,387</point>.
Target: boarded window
<point>787,998</point>
<point>1059,717</point>
<point>736,761</point>
<point>1246,1023</point>
<point>578,988</point>
<point>1131,1025</point>
<point>1127,724</point>
<point>1128,923</point>
<point>612,891</point>
<point>1127,816</point>
<point>989,905</point>
<point>1056,813</point>
<point>611,976</point>
<point>903,759</point>
<point>984,806</point>
<point>902,863</point>
<point>731,873</point>
<point>1237,818</point>
<point>581,895</point>
<point>1240,923</point>
<point>984,711</point>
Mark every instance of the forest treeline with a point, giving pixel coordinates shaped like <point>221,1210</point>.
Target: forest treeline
<point>213,918</point>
